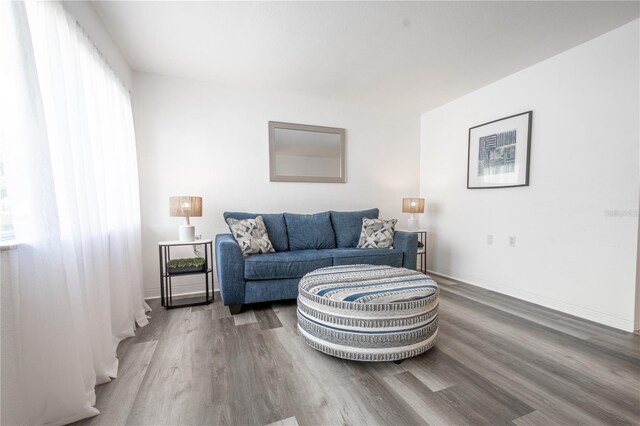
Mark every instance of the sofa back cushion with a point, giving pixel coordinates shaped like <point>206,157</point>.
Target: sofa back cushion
<point>276,227</point>
<point>309,231</point>
<point>347,226</point>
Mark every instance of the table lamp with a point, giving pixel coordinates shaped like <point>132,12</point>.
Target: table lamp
<point>185,206</point>
<point>413,206</point>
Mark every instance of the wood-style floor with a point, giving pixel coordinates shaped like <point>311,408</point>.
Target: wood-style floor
<point>498,361</point>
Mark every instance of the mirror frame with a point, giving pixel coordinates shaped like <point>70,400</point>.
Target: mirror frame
<point>273,125</point>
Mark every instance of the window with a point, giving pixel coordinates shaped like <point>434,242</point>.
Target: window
<point>6,223</point>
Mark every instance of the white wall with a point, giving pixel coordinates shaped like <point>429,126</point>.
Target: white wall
<point>196,138</point>
<point>88,19</point>
<point>576,224</point>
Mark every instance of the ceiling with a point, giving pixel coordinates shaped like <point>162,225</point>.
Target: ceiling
<point>413,55</point>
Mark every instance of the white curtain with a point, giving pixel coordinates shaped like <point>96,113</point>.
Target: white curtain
<point>73,287</point>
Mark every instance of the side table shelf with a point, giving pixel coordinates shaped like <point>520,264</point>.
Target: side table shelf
<point>166,293</point>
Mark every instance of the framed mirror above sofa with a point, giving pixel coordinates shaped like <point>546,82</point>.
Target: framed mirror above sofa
<point>305,153</point>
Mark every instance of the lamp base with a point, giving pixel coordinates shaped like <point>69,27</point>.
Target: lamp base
<point>187,233</point>
<point>412,224</point>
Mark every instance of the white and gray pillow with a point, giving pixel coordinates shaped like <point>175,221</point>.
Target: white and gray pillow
<point>251,235</point>
<point>377,233</point>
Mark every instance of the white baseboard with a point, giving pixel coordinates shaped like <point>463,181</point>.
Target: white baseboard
<point>177,290</point>
<point>558,305</point>
<point>547,302</point>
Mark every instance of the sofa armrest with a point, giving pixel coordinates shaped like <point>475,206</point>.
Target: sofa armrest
<point>407,242</point>
<point>230,269</point>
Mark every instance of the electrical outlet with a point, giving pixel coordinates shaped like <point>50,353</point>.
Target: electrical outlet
<point>512,241</point>
<point>489,240</point>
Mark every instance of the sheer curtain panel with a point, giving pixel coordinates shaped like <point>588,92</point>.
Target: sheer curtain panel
<point>73,287</point>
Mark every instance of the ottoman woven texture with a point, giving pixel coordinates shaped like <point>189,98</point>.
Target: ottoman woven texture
<point>367,312</point>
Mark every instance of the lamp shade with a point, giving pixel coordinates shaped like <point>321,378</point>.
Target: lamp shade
<point>185,206</point>
<point>413,205</point>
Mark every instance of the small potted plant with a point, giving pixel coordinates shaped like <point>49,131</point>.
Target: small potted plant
<point>186,265</point>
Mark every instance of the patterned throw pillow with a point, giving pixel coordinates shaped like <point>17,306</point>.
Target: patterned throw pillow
<point>377,233</point>
<point>251,235</point>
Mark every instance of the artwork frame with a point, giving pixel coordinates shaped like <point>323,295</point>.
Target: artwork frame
<point>499,152</point>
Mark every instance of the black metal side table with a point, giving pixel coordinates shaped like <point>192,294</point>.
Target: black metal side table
<point>422,248</point>
<point>166,296</point>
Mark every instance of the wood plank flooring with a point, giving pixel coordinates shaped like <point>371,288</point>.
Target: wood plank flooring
<point>498,361</point>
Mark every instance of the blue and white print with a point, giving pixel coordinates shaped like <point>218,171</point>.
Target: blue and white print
<point>497,153</point>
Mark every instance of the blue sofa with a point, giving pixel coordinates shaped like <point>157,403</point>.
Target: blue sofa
<point>302,243</point>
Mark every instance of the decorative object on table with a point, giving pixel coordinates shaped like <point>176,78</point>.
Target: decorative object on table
<point>251,235</point>
<point>413,206</point>
<point>377,233</point>
<point>171,268</point>
<point>304,153</point>
<point>499,152</point>
<point>368,312</point>
<point>189,264</point>
<point>186,206</point>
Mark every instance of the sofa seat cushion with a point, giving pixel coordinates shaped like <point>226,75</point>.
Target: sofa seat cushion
<point>310,231</point>
<point>288,264</point>
<point>347,226</point>
<point>274,222</point>
<point>362,256</point>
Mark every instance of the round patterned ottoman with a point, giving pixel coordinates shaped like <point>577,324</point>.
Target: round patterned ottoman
<point>368,312</point>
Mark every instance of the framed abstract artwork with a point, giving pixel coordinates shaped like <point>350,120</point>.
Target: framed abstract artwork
<point>499,153</point>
